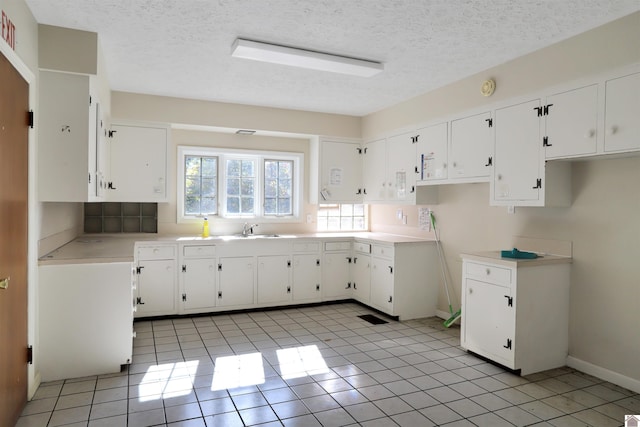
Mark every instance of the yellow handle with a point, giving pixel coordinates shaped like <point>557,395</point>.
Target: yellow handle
<point>4,283</point>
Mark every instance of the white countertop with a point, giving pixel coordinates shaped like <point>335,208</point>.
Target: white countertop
<point>97,248</point>
<point>494,257</point>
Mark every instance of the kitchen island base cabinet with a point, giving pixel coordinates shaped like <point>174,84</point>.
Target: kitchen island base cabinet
<point>517,316</point>
<point>86,319</point>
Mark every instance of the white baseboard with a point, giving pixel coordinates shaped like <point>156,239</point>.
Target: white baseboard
<point>605,374</point>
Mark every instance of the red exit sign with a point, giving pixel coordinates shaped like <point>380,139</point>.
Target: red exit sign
<point>8,31</point>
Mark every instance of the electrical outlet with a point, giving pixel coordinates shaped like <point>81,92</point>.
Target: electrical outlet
<point>404,219</point>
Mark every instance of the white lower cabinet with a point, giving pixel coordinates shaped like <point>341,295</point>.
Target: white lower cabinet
<point>516,314</point>
<point>198,273</point>
<point>236,280</point>
<point>156,279</point>
<point>306,273</point>
<point>361,272</point>
<point>382,284</point>
<point>336,270</point>
<point>85,319</point>
<point>274,279</point>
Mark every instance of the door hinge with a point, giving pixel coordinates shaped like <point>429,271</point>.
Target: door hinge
<point>355,259</point>
<point>489,122</point>
<point>348,285</point>
<point>390,299</point>
<point>508,346</point>
<point>414,139</point>
<point>359,192</point>
<point>359,150</point>
<point>111,132</point>
<point>89,177</point>
<point>349,259</point>
<point>545,142</point>
<point>184,297</point>
<point>110,186</point>
<point>355,286</point>
<point>509,300</point>
<point>546,109</point>
<point>90,100</point>
<point>489,161</point>
<point>390,269</point>
<point>415,169</point>
<point>139,301</point>
<point>30,118</point>
<point>539,110</point>
<point>184,268</point>
<point>139,269</point>
<point>538,184</point>
<point>30,355</point>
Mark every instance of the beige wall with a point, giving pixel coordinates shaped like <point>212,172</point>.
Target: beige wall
<point>235,116</point>
<point>601,222</point>
<point>167,212</point>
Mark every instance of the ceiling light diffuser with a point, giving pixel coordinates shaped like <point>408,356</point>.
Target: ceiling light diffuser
<point>302,58</point>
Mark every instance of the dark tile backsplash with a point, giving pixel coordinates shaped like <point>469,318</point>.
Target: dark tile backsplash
<point>115,217</point>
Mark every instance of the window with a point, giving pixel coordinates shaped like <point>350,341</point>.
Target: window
<point>278,187</point>
<point>200,185</point>
<point>239,184</point>
<point>344,217</point>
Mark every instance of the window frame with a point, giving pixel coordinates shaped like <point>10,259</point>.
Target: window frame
<point>259,156</point>
<point>365,217</point>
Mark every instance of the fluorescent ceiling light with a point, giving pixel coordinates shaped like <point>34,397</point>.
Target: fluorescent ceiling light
<point>275,54</point>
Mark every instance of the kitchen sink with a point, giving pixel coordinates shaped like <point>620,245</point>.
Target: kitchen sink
<point>251,236</point>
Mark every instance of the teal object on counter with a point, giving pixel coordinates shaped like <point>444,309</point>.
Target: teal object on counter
<point>515,253</point>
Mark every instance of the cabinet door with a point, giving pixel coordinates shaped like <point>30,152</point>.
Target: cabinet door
<point>401,167</point>
<point>375,178</point>
<point>199,284</point>
<point>517,153</point>
<point>341,172</point>
<point>571,123</point>
<point>138,164</point>
<point>306,277</point>
<point>489,322</point>
<point>157,290</point>
<point>273,279</point>
<point>235,281</point>
<point>66,165</point>
<point>622,109</point>
<point>382,284</point>
<point>471,141</point>
<point>361,277</point>
<point>335,275</point>
<point>432,152</point>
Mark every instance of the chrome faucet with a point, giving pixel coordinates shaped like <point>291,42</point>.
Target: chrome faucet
<point>248,229</point>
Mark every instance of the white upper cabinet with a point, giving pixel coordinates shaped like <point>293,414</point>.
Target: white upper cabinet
<point>401,168</point>
<point>571,122</point>
<point>138,170</point>
<point>470,150</point>
<point>340,172</point>
<point>520,176</point>
<point>70,138</point>
<point>517,153</point>
<point>432,152</point>
<point>622,114</point>
<point>375,171</point>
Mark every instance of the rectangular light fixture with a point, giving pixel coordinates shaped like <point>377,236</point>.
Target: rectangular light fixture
<point>302,58</point>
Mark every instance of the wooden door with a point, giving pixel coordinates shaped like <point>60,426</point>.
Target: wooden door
<point>14,150</point>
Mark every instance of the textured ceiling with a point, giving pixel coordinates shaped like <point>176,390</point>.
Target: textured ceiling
<point>182,48</point>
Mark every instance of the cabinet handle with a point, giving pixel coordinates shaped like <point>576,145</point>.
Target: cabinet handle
<point>488,271</point>
<point>590,133</point>
<point>318,262</point>
<point>390,269</point>
<point>499,177</point>
<point>454,164</point>
<point>470,291</point>
<point>354,285</point>
<point>416,170</point>
<point>288,289</point>
<point>612,130</point>
<point>390,299</point>
<point>219,294</point>
<point>289,263</point>
<point>318,287</point>
<point>220,267</point>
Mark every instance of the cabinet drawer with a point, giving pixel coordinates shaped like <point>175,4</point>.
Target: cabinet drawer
<point>199,251</point>
<point>337,246</point>
<point>489,273</point>
<point>382,251</point>
<point>306,247</point>
<point>156,252</point>
<point>362,247</point>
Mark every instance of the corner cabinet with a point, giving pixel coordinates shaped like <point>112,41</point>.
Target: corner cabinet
<point>511,309</point>
<point>339,174</point>
<point>138,155</point>
<point>71,139</point>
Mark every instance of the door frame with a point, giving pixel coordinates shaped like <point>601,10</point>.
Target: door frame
<point>33,374</point>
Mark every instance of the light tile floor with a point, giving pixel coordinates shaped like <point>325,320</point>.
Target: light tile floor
<point>319,366</point>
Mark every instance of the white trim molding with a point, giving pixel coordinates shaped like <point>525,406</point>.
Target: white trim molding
<point>604,374</point>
